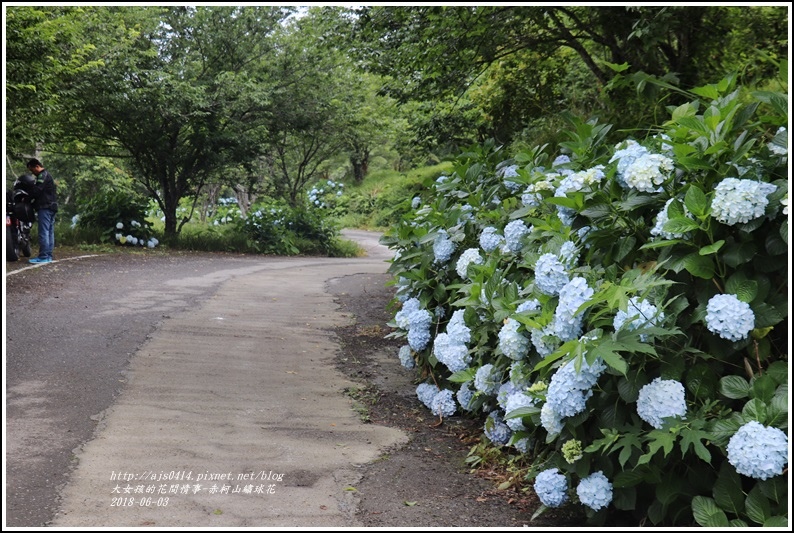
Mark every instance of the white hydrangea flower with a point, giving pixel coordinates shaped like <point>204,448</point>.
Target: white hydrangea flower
<point>662,218</point>
<point>740,200</point>
<point>647,172</point>
<point>512,342</point>
<point>660,399</point>
<point>729,317</point>
<point>758,451</point>
<point>469,256</point>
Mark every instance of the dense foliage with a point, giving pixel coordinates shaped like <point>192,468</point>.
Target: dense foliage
<point>617,312</point>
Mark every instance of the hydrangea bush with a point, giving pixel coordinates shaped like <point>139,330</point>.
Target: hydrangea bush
<point>624,307</point>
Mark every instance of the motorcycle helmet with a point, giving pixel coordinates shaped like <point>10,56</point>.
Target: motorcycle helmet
<point>25,182</point>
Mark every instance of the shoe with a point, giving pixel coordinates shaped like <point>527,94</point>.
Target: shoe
<point>40,260</point>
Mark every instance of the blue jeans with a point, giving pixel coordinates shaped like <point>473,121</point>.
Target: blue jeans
<point>46,232</point>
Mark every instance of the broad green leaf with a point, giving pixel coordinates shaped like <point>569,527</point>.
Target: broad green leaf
<point>658,439</point>
<point>627,478</point>
<point>776,521</point>
<point>728,491</point>
<point>764,388</point>
<point>766,315</point>
<point>699,266</point>
<point>755,410</point>
<point>757,505</point>
<point>711,248</point>
<point>624,500</point>
<point>707,513</point>
<point>744,289</point>
<point>694,437</point>
<point>462,376</point>
<point>775,489</point>
<point>734,387</point>
<point>680,225</point>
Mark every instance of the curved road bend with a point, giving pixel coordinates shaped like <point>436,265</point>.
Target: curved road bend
<point>191,391</point>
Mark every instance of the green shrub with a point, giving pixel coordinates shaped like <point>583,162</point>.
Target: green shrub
<point>619,313</point>
<point>119,216</point>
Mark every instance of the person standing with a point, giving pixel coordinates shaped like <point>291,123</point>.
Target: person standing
<point>46,205</point>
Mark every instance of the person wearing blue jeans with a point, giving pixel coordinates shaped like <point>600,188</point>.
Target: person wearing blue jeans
<point>46,205</point>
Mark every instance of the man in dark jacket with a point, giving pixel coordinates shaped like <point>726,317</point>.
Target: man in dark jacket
<point>46,205</point>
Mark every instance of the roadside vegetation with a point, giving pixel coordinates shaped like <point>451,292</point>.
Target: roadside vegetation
<point>581,199</point>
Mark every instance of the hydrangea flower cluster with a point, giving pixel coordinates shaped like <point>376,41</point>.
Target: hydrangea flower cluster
<point>515,401</point>
<point>531,196</point>
<point>625,154</point>
<point>426,392</point>
<point>660,399</point>
<point>506,172</point>
<point>406,357</point>
<point>514,232</point>
<point>569,390</point>
<point>443,403</point>
<point>464,395</point>
<point>417,321</point>
<point>662,218</point>
<point>528,305</point>
<point>490,239</point>
<point>550,420</point>
<point>469,256</point>
<point>496,430</point>
<point>576,181</point>
<point>595,491</point>
<point>550,274</point>
<point>729,317</point>
<point>777,149</point>
<point>450,347</point>
<point>487,379</point>
<point>544,341</point>
<point>443,247</point>
<point>572,451</point>
<point>551,488</point>
<point>512,342</point>
<point>569,254</point>
<point>643,313</point>
<point>567,323</point>
<point>740,200</point>
<point>758,451</point>
<point>647,172</point>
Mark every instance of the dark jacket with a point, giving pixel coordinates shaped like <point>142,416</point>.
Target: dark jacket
<point>44,192</point>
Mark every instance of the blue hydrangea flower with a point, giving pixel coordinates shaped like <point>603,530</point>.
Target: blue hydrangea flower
<point>550,274</point>
<point>490,239</point>
<point>625,154</point>
<point>550,419</point>
<point>643,314</point>
<point>469,256</point>
<point>569,390</point>
<point>453,354</point>
<point>443,247</point>
<point>647,172</point>
<point>551,488</point>
<point>528,305</point>
<point>514,232</point>
<point>758,451</point>
<point>409,306</point>
<point>419,338</point>
<point>506,172</point>
<point>531,196</point>
<point>496,430</point>
<point>443,403</point>
<point>457,329</point>
<point>775,147</point>
<point>487,379</point>
<point>464,395</point>
<point>662,218</point>
<point>740,200</point>
<point>595,491</point>
<point>729,317</point>
<point>660,399</point>
<point>567,323</point>
<point>512,342</point>
<point>406,359</point>
<point>426,392</point>
<point>560,160</point>
<point>515,401</point>
<point>505,390</point>
<point>523,445</point>
<point>544,341</point>
<point>569,254</point>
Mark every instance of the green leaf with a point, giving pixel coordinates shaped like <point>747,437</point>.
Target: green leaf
<point>680,225</point>
<point>611,358</point>
<point>775,489</point>
<point>755,410</point>
<point>738,254</point>
<point>711,248</point>
<point>734,387</point>
<point>694,437</point>
<point>627,478</point>
<point>744,289</point>
<point>766,315</point>
<point>764,388</point>
<point>776,521</point>
<point>658,439</point>
<point>699,266</point>
<point>707,514</point>
<point>757,505</point>
<point>462,376</point>
<point>728,491</point>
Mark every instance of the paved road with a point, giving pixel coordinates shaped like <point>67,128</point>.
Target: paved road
<point>191,390</point>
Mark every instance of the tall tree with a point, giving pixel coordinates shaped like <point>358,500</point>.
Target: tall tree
<point>184,99</point>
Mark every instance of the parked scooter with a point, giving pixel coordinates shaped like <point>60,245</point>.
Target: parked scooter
<point>19,218</point>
